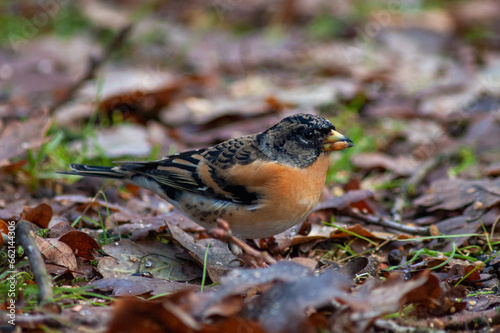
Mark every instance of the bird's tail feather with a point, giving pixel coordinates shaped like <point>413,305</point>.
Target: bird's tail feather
<point>95,171</point>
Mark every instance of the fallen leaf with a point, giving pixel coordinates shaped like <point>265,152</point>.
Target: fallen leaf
<point>465,274</point>
<point>355,229</point>
<point>345,200</point>
<point>354,266</point>
<point>129,258</point>
<point>217,112</point>
<point>18,137</point>
<point>401,165</point>
<point>144,104</point>
<point>13,167</point>
<point>492,170</point>
<point>307,262</point>
<point>431,299</point>
<point>136,315</point>
<point>138,285</point>
<point>60,229</point>
<point>219,257</point>
<point>81,199</point>
<point>117,141</point>
<point>476,12</point>
<point>429,293</point>
<point>480,303</point>
<point>57,252</point>
<point>83,244</point>
<point>240,281</point>
<point>105,15</point>
<point>373,301</point>
<point>4,228</point>
<point>40,215</point>
<point>282,307</point>
<point>57,270</point>
<point>310,96</point>
<point>452,194</point>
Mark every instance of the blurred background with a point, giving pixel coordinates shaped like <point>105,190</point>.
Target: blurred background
<point>94,81</point>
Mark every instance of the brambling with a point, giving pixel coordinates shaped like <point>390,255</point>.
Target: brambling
<point>260,184</point>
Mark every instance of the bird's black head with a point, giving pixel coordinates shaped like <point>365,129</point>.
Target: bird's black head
<point>299,140</point>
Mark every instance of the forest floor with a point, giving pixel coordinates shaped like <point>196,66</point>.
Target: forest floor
<point>404,238</point>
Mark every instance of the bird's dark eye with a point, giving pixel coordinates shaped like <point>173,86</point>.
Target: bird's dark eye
<point>308,135</point>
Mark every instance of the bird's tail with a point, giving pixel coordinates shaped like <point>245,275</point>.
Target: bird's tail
<point>131,173</point>
<point>96,171</point>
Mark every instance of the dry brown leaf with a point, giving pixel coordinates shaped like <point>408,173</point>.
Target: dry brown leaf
<point>57,252</point>
<point>282,308</point>
<point>219,257</point>
<point>60,229</point>
<point>452,194</point>
<point>124,139</point>
<point>144,105</point>
<point>157,258</point>
<point>135,315</point>
<point>474,12</point>
<point>82,243</point>
<point>463,273</point>
<point>240,281</point>
<point>4,228</point>
<point>55,270</point>
<point>492,170</point>
<point>18,137</point>
<point>81,199</point>
<point>139,285</point>
<point>104,15</point>
<point>401,165</point>
<point>356,229</point>
<point>13,167</point>
<point>350,198</point>
<point>40,215</point>
<point>373,301</point>
<point>428,293</point>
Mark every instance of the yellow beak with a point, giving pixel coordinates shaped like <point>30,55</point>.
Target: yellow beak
<point>336,141</point>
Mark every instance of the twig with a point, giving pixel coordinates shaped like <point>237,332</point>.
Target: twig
<point>370,219</point>
<point>465,321</point>
<point>32,321</point>
<point>93,65</point>
<point>391,326</point>
<point>24,234</point>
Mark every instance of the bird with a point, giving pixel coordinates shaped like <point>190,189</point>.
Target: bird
<point>260,184</point>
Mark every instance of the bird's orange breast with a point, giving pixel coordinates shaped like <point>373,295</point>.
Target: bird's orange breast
<point>288,194</point>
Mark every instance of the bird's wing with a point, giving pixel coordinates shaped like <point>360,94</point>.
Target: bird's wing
<point>174,172</point>
<point>208,172</point>
<point>222,166</point>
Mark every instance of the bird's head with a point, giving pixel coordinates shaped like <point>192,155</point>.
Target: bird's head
<point>300,139</point>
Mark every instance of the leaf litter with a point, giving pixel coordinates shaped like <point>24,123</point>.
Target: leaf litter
<point>405,236</point>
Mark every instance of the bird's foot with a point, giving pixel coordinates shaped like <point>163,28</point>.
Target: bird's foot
<point>246,253</point>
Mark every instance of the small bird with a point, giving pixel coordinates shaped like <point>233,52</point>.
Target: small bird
<point>260,184</point>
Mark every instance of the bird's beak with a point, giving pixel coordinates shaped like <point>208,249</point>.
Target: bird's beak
<point>336,141</point>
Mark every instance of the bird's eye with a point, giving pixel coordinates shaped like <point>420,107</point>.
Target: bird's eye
<point>308,135</point>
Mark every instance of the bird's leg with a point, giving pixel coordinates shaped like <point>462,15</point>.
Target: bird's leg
<point>239,248</point>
